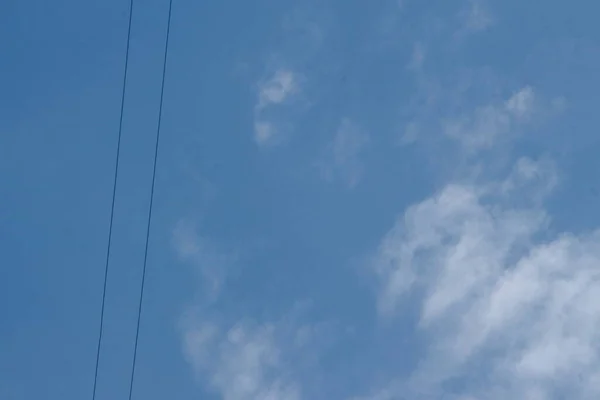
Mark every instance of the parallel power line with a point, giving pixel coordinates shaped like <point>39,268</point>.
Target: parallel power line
<point>152,190</point>
<point>114,193</point>
<point>149,223</point>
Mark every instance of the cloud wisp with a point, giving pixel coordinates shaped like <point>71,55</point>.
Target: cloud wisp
<point>244,362</point>
<point>342,159</point>
<point>476,17</point>
<point>241,357</point>
<point>273,93</point>
<point>209,261</point>
<point>489,124</point>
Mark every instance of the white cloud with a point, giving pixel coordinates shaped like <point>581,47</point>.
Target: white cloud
<point>263,132</point>
<point>246,360</point>
<point>520,105</point>
<point>243,363</point>
<point>530,180</point>
<point>477,16</point>
<point>211,262</point>
<point>504,309</point>
<point>343,159</point>
<point>483,128</point>
<point>273,93</point>
<point>277,89</point>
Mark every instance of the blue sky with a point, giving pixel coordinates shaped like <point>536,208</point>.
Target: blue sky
<point>355,200</point>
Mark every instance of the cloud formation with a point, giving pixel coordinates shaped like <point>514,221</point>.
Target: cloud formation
<point>243,363</point>
<point>277,89</point>
<point>248,359</point>
<point>240,357</point>
<point>483,128</point>
<point>506,310</point>
<point>476,16</point>
<point>342,159</point>
<point>273,93</point>
<point>211,262</point>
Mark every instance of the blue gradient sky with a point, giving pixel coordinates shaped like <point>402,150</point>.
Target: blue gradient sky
<point>355,200</point>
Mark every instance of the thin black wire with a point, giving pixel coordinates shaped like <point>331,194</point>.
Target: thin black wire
<point>114,192</point>
<point>158,130</point>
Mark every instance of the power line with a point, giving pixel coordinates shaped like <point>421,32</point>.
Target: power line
<point>156,146</point>
<point>114,192</point>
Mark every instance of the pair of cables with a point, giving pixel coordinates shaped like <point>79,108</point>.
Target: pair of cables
<point>114,191</point>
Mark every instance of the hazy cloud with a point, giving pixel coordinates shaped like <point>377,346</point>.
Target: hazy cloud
<point>211,262</point>
<point>248,359</point>
<point>486,125</point>
<point>476,16</point>
<point>244,362</point>
<point>343,155</point>
<point>273,93</point>
<point>277,89</point>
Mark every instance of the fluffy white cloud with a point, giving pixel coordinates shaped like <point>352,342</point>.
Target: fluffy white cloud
<point>504,309</point>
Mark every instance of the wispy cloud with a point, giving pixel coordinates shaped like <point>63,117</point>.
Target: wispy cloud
<point>277,89</point>
<point>504,309</point>
<point>343,155</point>
<point>418,56</point>
<point>273,93</point>
<point>264,132</point>
<point>240,357</point>
<point>486,125</point>
<point>247,359</point>
<point>476,16</point>
<point>243,363</point>
<point>211,262</point>
<point>461,20</point>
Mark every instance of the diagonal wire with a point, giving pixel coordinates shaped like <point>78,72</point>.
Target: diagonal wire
<point>112,207</point>
<point>156,147</point>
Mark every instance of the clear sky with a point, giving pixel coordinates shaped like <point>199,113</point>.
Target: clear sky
<point>355,200</point>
